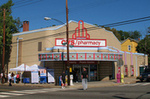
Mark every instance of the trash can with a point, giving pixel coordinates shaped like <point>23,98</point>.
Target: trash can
<point>43,79</point>
<point>59,80</point>
<point>26,80</point>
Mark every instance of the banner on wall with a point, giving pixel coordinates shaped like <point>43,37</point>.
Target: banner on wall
<point>132,71</point>
<point>126,71</point>
<point>50,74</point>
<point>34,77</point>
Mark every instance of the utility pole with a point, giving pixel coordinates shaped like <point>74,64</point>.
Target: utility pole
<point>67,36</point>
<point>3,59</point>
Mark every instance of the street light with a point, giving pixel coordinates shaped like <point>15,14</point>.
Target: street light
<point>68,65</point>
<point>48,18</point>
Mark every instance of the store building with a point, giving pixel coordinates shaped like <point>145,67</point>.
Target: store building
<point>94,48</point>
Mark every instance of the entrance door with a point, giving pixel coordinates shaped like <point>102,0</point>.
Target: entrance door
<point>77,71</point>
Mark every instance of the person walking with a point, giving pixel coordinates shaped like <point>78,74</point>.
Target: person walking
<point>63,79</point>
<point>84,77</point>
<point>9,78</point>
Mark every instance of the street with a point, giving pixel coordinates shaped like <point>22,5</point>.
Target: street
<point>126,91</point>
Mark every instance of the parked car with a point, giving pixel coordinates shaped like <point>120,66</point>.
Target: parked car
<point>145,75</point>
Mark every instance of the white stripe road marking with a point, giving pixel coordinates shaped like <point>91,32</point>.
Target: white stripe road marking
<point>4,96</point>
<point>141,84</point>
<point>8,93</point>
<point>25,92</point>
<point>36,91</point>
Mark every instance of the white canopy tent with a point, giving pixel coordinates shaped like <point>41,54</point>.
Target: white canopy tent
<point>35,67</point>
<point>22,67</point>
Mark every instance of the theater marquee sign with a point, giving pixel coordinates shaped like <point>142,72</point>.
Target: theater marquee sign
<point>81,39</point>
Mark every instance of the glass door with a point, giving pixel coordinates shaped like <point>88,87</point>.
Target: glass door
<point>77,73</point>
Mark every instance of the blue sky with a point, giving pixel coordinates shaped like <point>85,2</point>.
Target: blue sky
<point>91,11</point>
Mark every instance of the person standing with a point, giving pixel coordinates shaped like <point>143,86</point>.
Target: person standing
<point>63,79</point>
<point>18,77</point>
<point>84,77</point>
<point>9,78</point>
<point>14,78</point>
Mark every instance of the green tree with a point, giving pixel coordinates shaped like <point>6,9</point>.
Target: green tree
<point>11,26</point>
<point>144,47</point>
<point>135,34</point>
<point>124,35</point>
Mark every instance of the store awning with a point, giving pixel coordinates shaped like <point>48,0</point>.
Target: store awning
<point>78,56</point>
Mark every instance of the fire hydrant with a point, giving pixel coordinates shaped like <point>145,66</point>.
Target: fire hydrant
<point>118,77</point>
<point>122,76</point>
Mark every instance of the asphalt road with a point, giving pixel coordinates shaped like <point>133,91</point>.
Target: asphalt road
<point>127,91</point>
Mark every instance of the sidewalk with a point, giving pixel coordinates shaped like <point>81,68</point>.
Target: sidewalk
<point>93,84</point>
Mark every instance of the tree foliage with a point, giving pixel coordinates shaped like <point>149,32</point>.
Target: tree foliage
<point>11,26</point>
<point>122,35</point>
<point>144,47</point>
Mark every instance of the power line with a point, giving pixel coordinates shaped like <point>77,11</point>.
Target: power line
<point>22,1</point>
<point>127,22</point>
<point>27,4</point>
<point>94,27</point>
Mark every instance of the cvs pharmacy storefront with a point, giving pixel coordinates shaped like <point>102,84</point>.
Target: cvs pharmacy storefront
<point>91,47</point>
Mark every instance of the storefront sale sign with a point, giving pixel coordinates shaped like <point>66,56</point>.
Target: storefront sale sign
<point>34,77</point>
<point>50,74</point>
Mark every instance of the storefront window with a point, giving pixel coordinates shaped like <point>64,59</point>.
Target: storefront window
<point>93,72</point>
<point>39,46</point>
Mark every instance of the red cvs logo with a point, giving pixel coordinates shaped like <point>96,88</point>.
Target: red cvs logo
<point>81,32</point>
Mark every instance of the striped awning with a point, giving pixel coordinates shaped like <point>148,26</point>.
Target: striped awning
<point>78,56</point>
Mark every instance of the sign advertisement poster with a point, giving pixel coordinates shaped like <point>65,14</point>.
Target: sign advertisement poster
<point>50,74</point>
<point>34,77</point>
<point>132,71</point>
<point>42,72</point>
